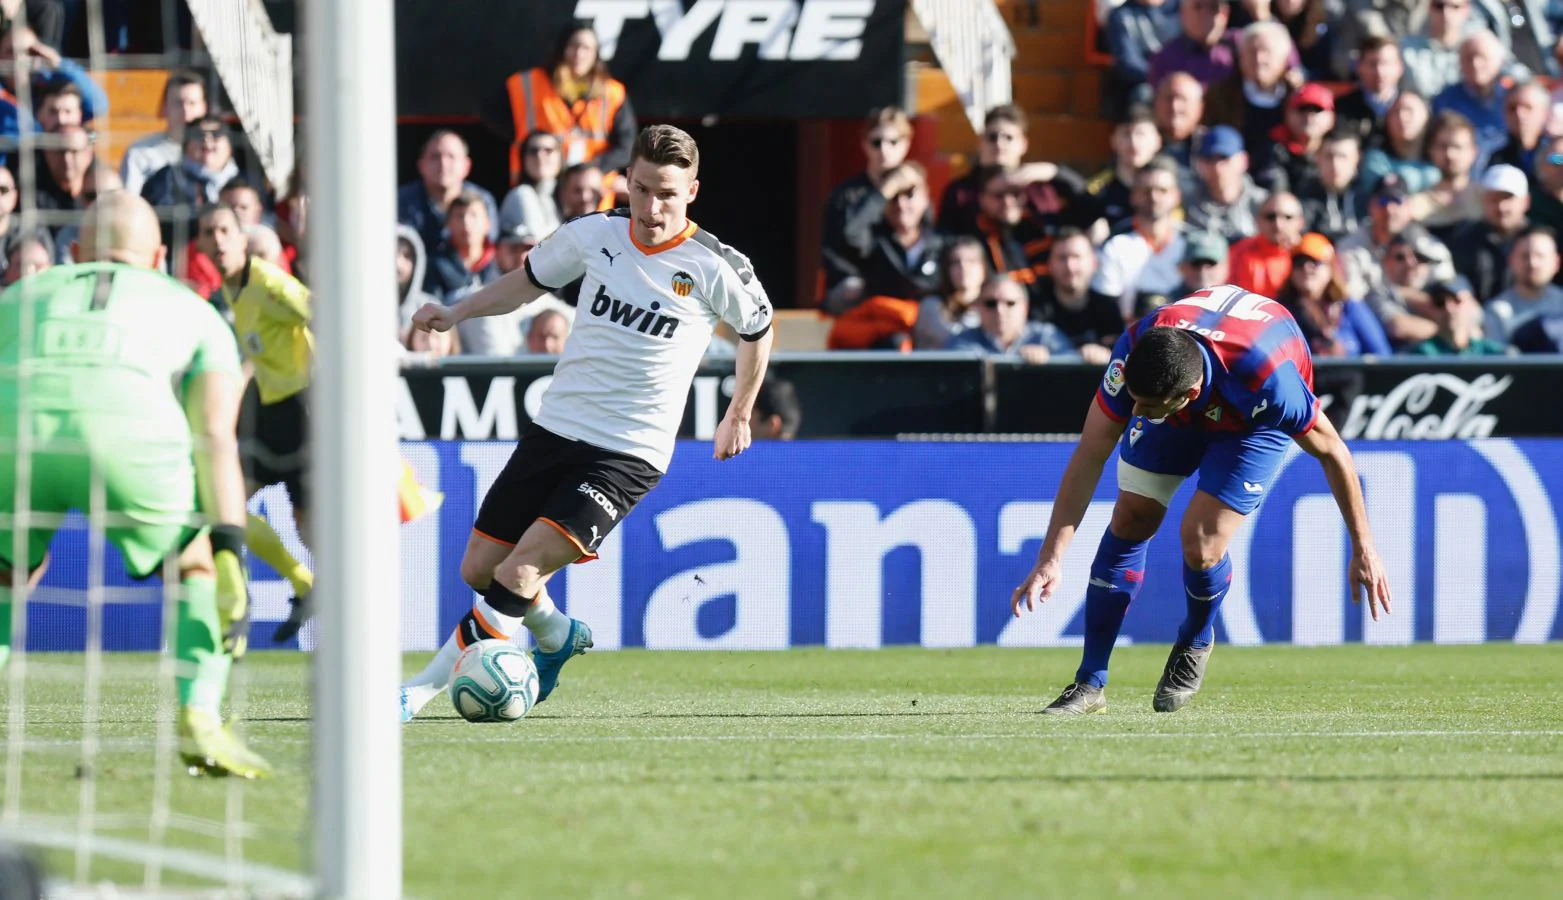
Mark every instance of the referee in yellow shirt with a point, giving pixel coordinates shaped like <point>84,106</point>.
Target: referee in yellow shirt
<point>271,312</point>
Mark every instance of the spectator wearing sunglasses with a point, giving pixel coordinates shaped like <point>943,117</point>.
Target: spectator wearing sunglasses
<point>1363,252</point>
<point>887,139</point>
<point>1007,330</point>
<point>1046,188</point>
<point>1458,318</point>
<point>890,243</point>
<point>1400,299</point>
<point>531,202</point>
<point>1017,235</point>
<point>1262,263</point>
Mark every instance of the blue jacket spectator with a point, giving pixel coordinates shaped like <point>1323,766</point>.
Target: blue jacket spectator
<point>1481,90</point>
<point>1135,32</point>
<point>1007,330</point>
<point>46,68</point>
<point>442,177</point>
<point>179,191</point>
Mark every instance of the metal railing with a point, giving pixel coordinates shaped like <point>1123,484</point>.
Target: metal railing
<point>974,47</point>
<point>255,64</point>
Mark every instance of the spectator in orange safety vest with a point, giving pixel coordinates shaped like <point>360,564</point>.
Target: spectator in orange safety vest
<point>571,96</point>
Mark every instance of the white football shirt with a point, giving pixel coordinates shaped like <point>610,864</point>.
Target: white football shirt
<point>642,324</point>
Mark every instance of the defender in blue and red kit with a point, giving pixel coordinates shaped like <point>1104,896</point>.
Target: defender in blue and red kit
<point>1217,383</point>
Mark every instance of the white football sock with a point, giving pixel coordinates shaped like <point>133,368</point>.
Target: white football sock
<point>435,677</point>
<point>550,628</point>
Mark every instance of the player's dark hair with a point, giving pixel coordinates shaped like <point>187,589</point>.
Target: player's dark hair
<point>1006,112</point>
<point>57,89</point>
<point>465,199</point>
<point>239,183</point>
<point>778,397</point>
<point>212,209</point>
<point>1530,231</point>
<point>180,79</point>
<point>440,135</point>
<point>664,145</point>
<point>1165,362</point>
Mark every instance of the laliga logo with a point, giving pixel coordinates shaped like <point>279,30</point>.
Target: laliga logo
<point>1462,550</point>
<point>1394,415</point>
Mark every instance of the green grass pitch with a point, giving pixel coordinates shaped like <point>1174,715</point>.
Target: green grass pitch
<point>1340,772</point>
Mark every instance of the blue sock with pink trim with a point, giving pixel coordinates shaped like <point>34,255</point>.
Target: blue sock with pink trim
<point>1204,589</point>
<point>1116,576</point>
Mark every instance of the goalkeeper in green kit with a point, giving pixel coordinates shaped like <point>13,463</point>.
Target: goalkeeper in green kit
<point>127,376</point>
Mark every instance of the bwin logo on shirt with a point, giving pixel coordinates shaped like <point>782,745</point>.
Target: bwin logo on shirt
<point>633,317</point>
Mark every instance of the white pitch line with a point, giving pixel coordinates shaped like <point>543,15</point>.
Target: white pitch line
<point>914,736</point>
<point>518,734</point>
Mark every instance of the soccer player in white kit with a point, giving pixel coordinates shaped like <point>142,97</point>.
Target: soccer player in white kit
<point>655,286</point>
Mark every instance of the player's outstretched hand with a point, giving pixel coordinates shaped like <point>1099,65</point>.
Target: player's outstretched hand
<point>1037,587</point>
<point>1368,577</point>
<point>732,438</point>
<point>433,317</point>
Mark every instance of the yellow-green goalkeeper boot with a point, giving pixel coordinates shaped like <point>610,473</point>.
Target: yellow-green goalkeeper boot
<point>208,747</point>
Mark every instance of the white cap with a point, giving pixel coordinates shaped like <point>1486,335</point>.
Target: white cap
<point>1506,180</point>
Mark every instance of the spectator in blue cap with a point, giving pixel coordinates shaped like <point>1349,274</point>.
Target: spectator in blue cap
<point>1225,200</point>
<point>1459,318</point>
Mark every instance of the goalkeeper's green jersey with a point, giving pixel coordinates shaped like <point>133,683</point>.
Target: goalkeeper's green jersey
<point>110,342</point>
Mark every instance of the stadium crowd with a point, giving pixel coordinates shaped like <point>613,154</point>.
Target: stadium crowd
<point>1397,194</point>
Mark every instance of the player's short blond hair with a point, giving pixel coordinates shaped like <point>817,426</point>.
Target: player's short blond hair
<point>664,145</point>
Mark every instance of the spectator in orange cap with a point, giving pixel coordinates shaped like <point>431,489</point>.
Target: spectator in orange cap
<point>1315,294</point>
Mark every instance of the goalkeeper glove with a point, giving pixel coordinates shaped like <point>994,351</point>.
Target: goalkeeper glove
<point>233,598</point>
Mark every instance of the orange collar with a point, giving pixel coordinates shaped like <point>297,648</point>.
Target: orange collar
<point>668,244</point>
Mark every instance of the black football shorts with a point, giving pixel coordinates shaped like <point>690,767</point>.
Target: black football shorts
<point>580,489</point>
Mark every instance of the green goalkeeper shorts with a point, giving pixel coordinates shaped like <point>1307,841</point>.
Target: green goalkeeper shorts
<point>148,489</point>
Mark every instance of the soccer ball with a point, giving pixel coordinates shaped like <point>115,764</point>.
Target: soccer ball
<point>494,681</point>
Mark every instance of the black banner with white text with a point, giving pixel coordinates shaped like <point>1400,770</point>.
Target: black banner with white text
<point>861,395</point>
<point>791,59</point>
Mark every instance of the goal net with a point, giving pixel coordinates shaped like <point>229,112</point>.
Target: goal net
<point>97,796</point>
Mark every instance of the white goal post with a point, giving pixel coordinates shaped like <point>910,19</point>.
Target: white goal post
<point>351,168</point>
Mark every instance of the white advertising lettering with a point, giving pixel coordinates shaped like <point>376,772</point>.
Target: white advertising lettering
<point>797,30</point>
<point>1399,414</point>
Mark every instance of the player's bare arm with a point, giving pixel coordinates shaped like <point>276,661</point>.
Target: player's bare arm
<point>732,434</point>
<point>507,294</point>
<point>1367,575</point>
<point>1097,440</point>
<point>212,407</point>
